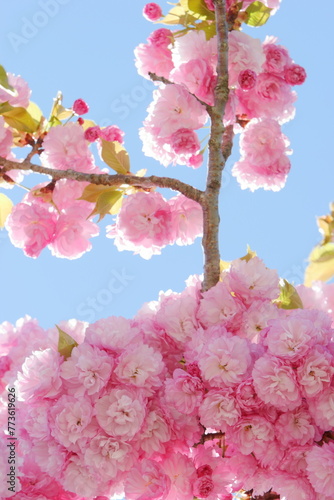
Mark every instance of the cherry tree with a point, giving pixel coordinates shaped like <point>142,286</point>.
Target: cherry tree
<point>224,390</point>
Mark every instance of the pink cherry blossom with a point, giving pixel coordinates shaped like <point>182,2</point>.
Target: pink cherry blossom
<point>245,53</point>
<point>147,481</point>
<point>152,11</point>
<point>154,433</point>
<point>92,133</point>
<point>78,479</point>
<point>140,366</point>
<point>65,147</point>
<point>247,79</point>
<point>31,227</point>
<point>194,45</point>
<point>187,219</point>
<point>72,233</point>
<point>217,306</point>
<point>252,280</point>
<point>87,371</point>
<point>80,107</point>
<point>252,434</point>
<point>181,471</point>
<point>225,361</point>
<point>275,383</point>
<point>219,410</point>
<point>40,376</point>
<point>108,456</point>
<point>143,224</point>
<point>295,427</point>
<point>185,141</point>
<point>294,74</point>
<point>184,392</point>
<point>112,133</point>
<point>290,338</point>
<point>70,419</point>
<point>315,372</point>
<point>153,58</point>
<point>121,413</point>
<point>277,58</point>
<point>161,37</point>
<point>320,464</point>
<point>199,77</point>
<point>113,333</point>
<point>21,94</point>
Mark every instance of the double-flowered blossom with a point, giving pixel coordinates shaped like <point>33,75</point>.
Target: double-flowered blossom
<point>60,221</point>
<point>181,401</point>
<point>147,222</point>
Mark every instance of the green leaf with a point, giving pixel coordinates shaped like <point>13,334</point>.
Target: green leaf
<point>322,253</point>
<point>199,7</point>
<point>208,27</point>
<point>65,343</point>
<point>116,156</point>
<point>249,255</point>
<point>257,14</point>
<point>4,80</point>
<point>93,191</point>
<point>18,118</point>
<point>321,265</point>
<point>6,206</point>
<point>288,298</point>
<point>108,202</point>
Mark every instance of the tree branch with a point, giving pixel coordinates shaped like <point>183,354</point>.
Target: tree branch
<point>106,179</point>
<point>162,79</point>
<point>220,145</point>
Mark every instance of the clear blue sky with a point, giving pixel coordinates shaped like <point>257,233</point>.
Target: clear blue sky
<point>85,49</point>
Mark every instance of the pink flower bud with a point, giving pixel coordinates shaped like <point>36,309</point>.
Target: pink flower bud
<point>152,11</point>
<point>204,470</point>
<point>92,134</point>
<point>247,79</point>
<point>80,120</point>
<point>80,107</point>
<point>294,74</point>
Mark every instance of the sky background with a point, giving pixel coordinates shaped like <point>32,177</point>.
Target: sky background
<point>85,49</point>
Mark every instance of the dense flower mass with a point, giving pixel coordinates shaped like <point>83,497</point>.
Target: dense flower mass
<point>183,400</point>
<point>260,79</point>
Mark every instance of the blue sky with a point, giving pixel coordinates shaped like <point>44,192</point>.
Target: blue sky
<point>85,49</point>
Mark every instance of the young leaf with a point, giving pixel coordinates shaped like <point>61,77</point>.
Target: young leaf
<point>108,202</point>
<point>321,265</point>
<point>65,343</point>
<point>257,14</point>
<point>93,191</point>
<point>199,7</point>
<point>18,118</point>
<point>4,80</point>
<point>6,206</point>
<point>288,298</point>
<point>115,156</point>
<point>249,255</point>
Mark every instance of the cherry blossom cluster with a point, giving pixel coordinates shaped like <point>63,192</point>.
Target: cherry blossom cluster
<point>147,222</point>
<point>261,76</point>
<point>53,217</point>
<point>199,395</point>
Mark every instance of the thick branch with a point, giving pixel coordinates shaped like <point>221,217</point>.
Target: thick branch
<point>220,145</point>
<point>106,179</point>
